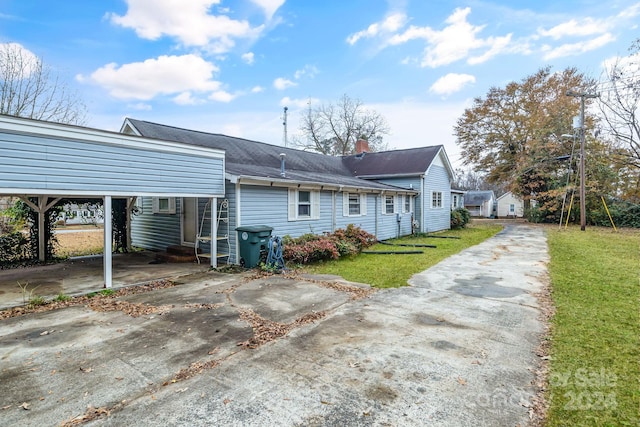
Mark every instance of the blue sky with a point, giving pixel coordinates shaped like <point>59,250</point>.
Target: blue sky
<point>231,66</point>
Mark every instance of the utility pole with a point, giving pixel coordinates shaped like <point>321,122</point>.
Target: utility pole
<point>582,96</point>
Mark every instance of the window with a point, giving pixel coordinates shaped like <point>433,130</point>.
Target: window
<point>389,204</point>
<point>436,199</point>
<point>303,204</point>
<point>512,208</point>
<point>164,205</point>
<point>407,203</point>
<point>454,199</point>
<point>354,204</point>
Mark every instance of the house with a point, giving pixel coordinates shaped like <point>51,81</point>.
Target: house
<point>510,206</point>
<point>457,198</point>
<point>81,213</point>
<point>480,203</point>
<point>389,194</point>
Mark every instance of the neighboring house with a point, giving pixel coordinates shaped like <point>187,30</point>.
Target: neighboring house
<point>387,194</point>
<point>74,214</point>
<point>457,199</point>
<point>510,206</point>
<point>480,203</point>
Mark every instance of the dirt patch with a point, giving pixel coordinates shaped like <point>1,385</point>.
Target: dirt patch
<point>81,242</point>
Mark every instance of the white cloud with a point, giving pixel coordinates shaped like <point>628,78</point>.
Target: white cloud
<point>451,83</point>
<point>298,103</point>
<point>573,27</point>
<point>188,21</point>
<point>257,89</point>
<point>222,96</point>
<point>390,24</point>
<point>269,6</point>
<point>248,57</point>
<point>185,98</point>
<point>574,49</point>
<point>308,71</point>
<point>281,83</point>
<point>165,75</point>
<point>454,42</point>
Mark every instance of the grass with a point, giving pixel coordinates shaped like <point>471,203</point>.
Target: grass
<point>595,334</point>
<point>392,271</point>
<point>80,243</point>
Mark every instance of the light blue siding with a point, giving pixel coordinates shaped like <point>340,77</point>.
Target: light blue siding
<point>414,183</point>
<point>269,206</point>
<point>437,219</point>
<point>66,165</point>
<point>155,231</point>
<point>366,222</point>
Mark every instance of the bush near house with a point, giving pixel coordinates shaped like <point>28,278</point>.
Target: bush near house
<point>459,218</point>
<point>310,248</point>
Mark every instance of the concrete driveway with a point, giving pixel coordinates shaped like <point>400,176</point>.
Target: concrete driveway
<point>456,348</point>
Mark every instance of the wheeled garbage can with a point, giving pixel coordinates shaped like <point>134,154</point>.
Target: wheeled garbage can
<point>252,240</point>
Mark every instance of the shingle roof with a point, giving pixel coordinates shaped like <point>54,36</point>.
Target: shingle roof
<point>257,159</point>
<point>477,198</point>
<point>412,161</point>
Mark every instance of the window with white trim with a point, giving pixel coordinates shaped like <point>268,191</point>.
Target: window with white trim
<point>389,205</point>
<point>354,204</point>
<point>304,204</point>
<point>436,199</point>
<point>407,203</point>
<point>164,205</point>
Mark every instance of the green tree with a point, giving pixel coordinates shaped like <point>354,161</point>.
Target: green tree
<point>514,133</point>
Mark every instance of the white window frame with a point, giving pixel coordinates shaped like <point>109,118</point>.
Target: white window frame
<point>436,200</point>
<point>171,206</point>
<point>407,200</point>
<point>384,205</point>
<point>294,201</point>
<point>362,202</point>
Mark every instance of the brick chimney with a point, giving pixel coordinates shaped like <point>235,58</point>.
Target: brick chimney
<point>362,146</point>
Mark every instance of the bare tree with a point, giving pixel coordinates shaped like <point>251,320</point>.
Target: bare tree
<point>29,88</point>
<point>334,129</point>
<point>620,106</point>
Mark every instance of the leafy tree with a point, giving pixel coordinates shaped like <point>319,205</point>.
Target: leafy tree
<point>334,129</point>
<point>514,134</point>
<point>29,88</point>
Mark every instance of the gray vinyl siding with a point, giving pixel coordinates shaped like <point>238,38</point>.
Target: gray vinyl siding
<point>67,166</point>
<point>440,218</point>
<point>155,231</point>
<point>269,206</point>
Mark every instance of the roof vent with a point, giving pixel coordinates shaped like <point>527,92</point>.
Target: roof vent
<point>282,156</point>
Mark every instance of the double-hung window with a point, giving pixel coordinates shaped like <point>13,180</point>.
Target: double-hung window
<point>354,204</point>
<point>389,206</point>
<point>304,204</point>
<point>407,203</point>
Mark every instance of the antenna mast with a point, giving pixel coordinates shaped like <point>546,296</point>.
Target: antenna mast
<point>284,123</point>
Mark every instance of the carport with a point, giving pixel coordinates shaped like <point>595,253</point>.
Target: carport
<point>46,162</point>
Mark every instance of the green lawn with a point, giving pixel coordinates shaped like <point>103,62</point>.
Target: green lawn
<point>595,342</point>
<point>391,271</point>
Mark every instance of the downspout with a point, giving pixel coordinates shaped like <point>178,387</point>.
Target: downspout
<point>238,219</point>
<point>423,206</point>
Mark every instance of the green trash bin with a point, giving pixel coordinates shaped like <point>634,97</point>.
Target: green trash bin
<point>251,241</point>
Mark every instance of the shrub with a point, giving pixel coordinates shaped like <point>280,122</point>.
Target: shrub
<point>310,248</point>
<point>459,218</point>
<point>13,248</point>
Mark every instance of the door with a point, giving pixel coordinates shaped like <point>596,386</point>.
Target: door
<point>189,220</point>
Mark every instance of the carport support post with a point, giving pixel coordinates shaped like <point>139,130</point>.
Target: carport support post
<point>108,242</point>
<point>214,232</point>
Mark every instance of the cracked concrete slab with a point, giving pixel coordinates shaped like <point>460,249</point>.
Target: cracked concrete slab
<point>456,348</point>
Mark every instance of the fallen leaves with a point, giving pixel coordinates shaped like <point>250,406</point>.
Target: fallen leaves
<point>25,406</point>
<point>90,414</point>
<point>84,299</point>
<point>129,308</point>
<point>265,330</point>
